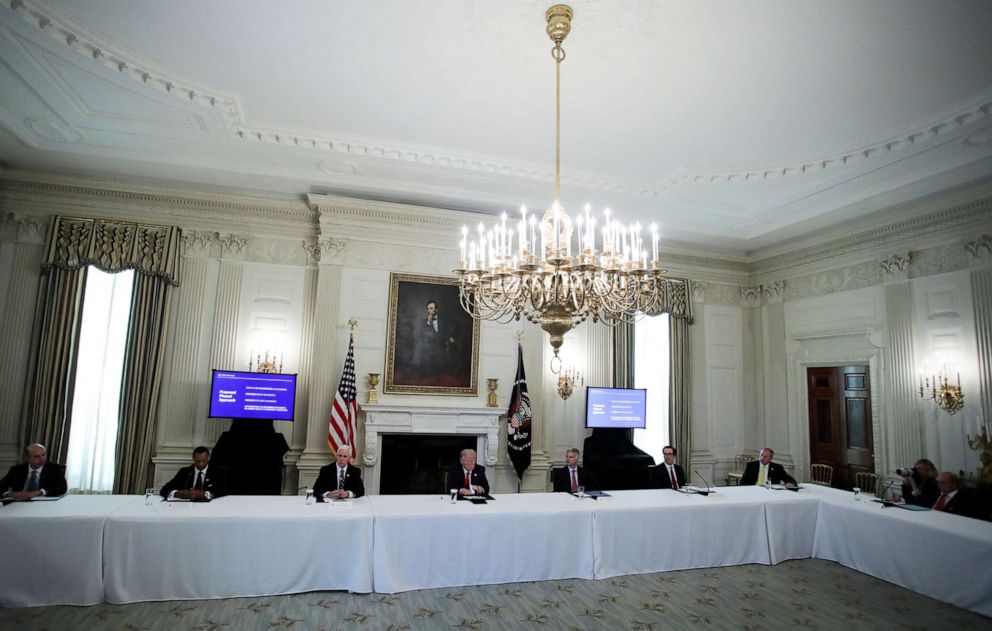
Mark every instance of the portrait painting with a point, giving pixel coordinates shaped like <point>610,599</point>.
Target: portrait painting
<point>433,343</point>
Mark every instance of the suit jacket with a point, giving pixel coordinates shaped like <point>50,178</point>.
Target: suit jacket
<point>963,503</point>
<point>52,479</point>
<point>215,482</point>
<point>456,477</point>
<point>328,481</point>
<point>661,479</point>
<point>929,492</point>
<point>562,482</point>
<point>776,474</point>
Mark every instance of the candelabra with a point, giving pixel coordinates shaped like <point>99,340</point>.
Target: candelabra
<point>981,442</point>
<point>257,364</point>
<point>946,395</point>
<point>566,382</point>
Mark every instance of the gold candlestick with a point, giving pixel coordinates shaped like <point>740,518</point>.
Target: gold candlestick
<point>373,382</point>
<point>493,383</point>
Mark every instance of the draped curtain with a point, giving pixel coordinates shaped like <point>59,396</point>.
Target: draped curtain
<point>112,246</point>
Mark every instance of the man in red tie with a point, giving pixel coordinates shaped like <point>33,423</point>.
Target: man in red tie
<point>669,474</point>
<point>951,499</point>
<point>569,478</point>
<point>467,476</point>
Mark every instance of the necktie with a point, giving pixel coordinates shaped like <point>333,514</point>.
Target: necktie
<point>761,475</point>
<point>199,481</point>
<point>941,502</point>
<point>675,480</point>
<point>468,482</point>
<point>575,482</point>
<point>340,479</point>
<point>32,481</point>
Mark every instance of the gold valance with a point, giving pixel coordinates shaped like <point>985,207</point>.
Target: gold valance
<point>114,246</point>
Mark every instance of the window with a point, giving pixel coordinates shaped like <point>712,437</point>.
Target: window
<point>651,371</point>
<point>99,368</point>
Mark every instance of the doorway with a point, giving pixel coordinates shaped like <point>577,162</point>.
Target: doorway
<point>840,424</point>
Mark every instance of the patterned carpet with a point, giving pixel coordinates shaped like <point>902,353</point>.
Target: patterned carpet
<point>807,594</point>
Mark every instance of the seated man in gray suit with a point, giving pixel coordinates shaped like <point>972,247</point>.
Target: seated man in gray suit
<point>36,476</point>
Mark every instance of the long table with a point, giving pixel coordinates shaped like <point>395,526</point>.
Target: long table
<point>87,549</point>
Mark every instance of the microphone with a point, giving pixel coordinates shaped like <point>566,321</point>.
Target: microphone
<point>708,490</point>
<point>881,496</point>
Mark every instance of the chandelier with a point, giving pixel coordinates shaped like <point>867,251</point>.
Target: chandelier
<point>530,271</point>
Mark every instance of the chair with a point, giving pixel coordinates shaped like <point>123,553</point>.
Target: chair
<point>821,474</point>
<point>734,477</point>
<point>867,482</point>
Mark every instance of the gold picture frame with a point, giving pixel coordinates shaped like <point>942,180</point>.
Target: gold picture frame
<point>430,350</point>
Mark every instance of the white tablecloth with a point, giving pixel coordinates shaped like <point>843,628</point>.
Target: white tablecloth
<point>51,552</point>
<point>947,557</point>
<point>424,541</point>
<point>236,546</point>
<point>653,531</point>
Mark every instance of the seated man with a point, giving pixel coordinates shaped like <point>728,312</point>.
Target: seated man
<point>468,477</point>
<point>669,475</point>
<point>764,470</point>
<point>199,482</point>
<point>920,487</point>
<point>340,480</point>
<point>569,478</point>
<point>952,499</point>
<point>36,476</point>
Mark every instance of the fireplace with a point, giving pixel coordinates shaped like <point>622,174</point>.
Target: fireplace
<point>417,441</point>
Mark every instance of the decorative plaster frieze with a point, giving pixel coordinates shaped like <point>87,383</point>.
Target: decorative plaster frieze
<point>773,292</point>
<point>197,243</point>
<point>895,267</point>
<point>278,252</point>
<point>720,294</point>
<point>31,228</point>
<point>331,250</point>
<point>980,250</point>
<point>233,246</point>
<point>312,250</point>
<point>698,290</point>
<point>751,296</point>
<point>855,276</point>
<point>939,260</point>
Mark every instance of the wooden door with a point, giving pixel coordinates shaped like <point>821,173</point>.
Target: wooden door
<point>840,430</point>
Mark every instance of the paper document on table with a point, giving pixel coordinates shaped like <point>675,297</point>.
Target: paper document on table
<point>46,498</point>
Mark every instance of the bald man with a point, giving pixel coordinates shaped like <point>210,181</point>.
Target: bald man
<point>36,476</point>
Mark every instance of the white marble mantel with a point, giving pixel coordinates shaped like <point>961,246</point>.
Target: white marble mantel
<point>483,423</point>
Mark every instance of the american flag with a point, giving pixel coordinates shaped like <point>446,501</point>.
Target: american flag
<point>344,412</point>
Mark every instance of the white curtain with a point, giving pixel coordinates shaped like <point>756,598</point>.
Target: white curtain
<point>651,371</point>
<point>103,337</point>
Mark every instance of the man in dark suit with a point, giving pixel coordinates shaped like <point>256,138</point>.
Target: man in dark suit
<point>36,476</point>
<point>920,487</point>
<point>340,480</point>
<point>569,478</point>
<point>199,482</point>
<point>763,469</point>
<point>466,476</point>
<point>952,499</point>
<point>669,474</point>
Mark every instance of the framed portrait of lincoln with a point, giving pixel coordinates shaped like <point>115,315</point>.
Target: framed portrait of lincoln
<point>433,344</point>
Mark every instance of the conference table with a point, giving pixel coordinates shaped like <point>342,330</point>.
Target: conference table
<point>87,549</point>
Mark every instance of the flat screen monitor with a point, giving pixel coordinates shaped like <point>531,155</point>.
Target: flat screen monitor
<point>257,395</point>
<point>616,408</point>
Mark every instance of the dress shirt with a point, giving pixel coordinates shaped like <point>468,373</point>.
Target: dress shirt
<point>37,473</point>
<point>196,472</point>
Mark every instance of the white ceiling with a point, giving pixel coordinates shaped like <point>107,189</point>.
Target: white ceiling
<point>734,125</point>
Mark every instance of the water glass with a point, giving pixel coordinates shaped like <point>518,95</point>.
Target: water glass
<point>149,495</point>
<point>454,495</point>
<point>580,490</point>
<point>309,499</point>
<point>857,493</point>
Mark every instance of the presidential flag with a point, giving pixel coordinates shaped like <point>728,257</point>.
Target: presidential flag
<point>518,420</point>
<point>344,412</point>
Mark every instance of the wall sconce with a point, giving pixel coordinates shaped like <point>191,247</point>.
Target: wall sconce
<point>566,382</point>
<point>946,395</point>
<point>257,364</point>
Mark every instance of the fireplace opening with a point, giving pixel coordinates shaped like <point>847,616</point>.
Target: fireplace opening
<point>416,464</point>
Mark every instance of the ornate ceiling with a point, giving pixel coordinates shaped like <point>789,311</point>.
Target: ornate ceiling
<point>736,126</point>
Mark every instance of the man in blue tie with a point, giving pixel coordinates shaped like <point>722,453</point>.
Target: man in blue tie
<point>36,476</point>
<point>341,480</point>
<point>199,482</point>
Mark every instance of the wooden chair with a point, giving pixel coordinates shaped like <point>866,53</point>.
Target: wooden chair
<point>867,482</point>
<point>734,477</point>
<point>821,474</point>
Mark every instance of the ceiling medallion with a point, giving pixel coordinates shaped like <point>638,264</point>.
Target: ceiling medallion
<point>529,271</point>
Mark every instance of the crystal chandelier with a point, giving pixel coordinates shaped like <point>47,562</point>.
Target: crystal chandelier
<point>529,271</point>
